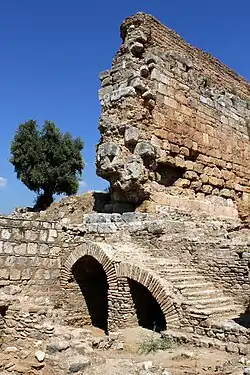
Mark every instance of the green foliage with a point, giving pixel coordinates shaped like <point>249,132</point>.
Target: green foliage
<point>47,161</point>
<point>151,343</point>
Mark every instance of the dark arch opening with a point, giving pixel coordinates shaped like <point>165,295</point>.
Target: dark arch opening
<point>149,313</point>
<point>92,280</point>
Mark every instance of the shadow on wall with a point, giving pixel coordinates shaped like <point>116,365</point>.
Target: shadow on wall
<point>101,199</point>
<point>149,313</point>
<point>92,280</point>
<point>3,310</point>
<point>244,319</point>
<point>168,175</point>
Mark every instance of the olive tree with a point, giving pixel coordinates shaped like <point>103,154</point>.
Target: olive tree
<point>47,161</point>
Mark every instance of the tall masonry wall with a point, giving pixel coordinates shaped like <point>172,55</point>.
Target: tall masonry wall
<point>175,122</point>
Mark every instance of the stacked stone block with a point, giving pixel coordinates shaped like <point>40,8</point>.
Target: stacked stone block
<point>29,253</point>
<point>174,120</point>
<point>163,253</point>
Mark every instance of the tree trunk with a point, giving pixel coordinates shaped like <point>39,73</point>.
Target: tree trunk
<point>44,200</point>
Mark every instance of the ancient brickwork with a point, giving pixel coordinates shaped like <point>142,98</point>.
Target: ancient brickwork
<point>38,282</point>
<point>29,278</point>
<point>219,250</point>
<point>190,257</point>
<point>175,121</point>
<point>29,251</point>
<point>188,272</point>
<point>75,309</point>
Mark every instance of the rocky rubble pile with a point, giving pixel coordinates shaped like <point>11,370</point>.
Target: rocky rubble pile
<point>73,351</point>
<point>72,208</point>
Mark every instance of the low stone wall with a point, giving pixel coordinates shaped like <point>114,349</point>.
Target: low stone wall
<point>29,278</point>
<point>25,325</point>
<point>29,255</point>
<point>223,336</point>
<point>126,223</point>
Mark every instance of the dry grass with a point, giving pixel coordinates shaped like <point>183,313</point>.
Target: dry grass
<point>152,344</point>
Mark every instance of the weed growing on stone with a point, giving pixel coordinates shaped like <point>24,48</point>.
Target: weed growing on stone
<point>152,344</point>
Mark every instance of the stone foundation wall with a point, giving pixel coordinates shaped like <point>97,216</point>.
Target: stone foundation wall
<point>31,295</point>
<point>29,278</point>
<point>24,325</point>
<point>219,250</point>
<point>29,255</point>
<point>42,289</point>
<point>175,120</point>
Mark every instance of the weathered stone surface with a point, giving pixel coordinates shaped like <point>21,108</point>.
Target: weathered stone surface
<point>40,355</point>
<point>131,135</point>
<point>108,149</point>
<point>133,168</point>
<point>145,149</point>
<point>57,346</point>
<point>199,120</point>
<point>137,48</point>
<point>79,364</point>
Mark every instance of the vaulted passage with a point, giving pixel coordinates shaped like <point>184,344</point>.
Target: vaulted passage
<point>3,310</point>
<point>149,313</point>
<point>92,280</point>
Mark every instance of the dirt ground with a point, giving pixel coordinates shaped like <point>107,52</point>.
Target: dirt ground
<point>125,358</point>
<point>178,360</point>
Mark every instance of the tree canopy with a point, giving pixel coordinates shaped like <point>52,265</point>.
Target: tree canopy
<point>47,161</point>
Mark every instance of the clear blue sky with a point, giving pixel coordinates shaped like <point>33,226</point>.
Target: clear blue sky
<point>53,50</point>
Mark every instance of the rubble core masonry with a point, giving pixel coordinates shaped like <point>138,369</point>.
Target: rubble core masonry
<point>175,122</point>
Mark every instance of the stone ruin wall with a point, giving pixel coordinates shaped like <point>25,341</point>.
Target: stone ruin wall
<point>36,291</point>
<point>175,124</point>
<point>219,250</point>
<point>175,132</point>
<point>36,259</point>
<point>29,278</point>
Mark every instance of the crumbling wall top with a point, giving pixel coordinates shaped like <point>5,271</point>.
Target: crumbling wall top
<point>155,29</point>
<point>175,121</point>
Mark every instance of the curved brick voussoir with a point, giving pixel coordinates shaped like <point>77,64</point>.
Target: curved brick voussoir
<point>91,249</point>
<point>156,287</point>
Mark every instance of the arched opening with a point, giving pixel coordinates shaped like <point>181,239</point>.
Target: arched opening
<point>92,280</point>
<point>149,313</point>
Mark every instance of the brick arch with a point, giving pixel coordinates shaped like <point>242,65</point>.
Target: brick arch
<point>93,250</point>
<point>155,287</point>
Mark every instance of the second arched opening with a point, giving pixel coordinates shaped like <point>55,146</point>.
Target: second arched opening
<point>148,310</point>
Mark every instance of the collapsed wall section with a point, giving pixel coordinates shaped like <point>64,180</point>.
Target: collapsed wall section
<point>175,122</point>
